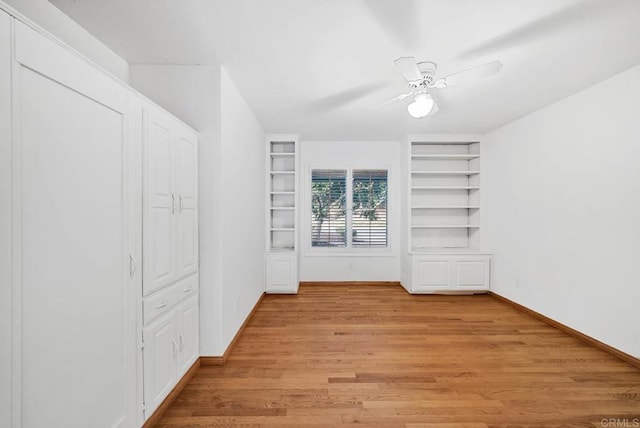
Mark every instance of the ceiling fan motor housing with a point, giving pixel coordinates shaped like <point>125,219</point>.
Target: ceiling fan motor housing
<point>428,72</point>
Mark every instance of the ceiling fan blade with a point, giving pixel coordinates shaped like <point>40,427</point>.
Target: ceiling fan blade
<point>389,101</point>
<point>479,72</point>
<point>435,108</point>
<point>408,67</point>
<point>401,23</point>
<point>342,98</point>
<point>579,13</point>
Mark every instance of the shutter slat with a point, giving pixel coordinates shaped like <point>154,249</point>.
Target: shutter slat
<point>369,214</point>
<point>328,208</point>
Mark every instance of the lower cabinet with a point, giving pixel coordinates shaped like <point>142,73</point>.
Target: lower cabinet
<point>170,342</point>
<point>450,273</point>
<point>281,273</point>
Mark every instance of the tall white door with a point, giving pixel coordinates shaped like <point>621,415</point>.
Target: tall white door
<point>160,357</point>
<point>74,328</point>
<point>187,193</point>
<point>5,220</point>
<point>159,258</point>
<point>187,334</point>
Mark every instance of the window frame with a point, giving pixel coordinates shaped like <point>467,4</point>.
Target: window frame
<point>347,250</point>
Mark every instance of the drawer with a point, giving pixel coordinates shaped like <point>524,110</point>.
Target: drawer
<point>158,303</point>
<point>185,288</point>
<point>165,299</point>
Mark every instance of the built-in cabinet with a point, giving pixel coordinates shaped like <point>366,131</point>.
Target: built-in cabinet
<point>450,272</point>
<point>443,222</point>
<point>170,253</point>
<point>170,342</point>
<point>90,171</point>
<point>281,257</point>
<point>170,154</point>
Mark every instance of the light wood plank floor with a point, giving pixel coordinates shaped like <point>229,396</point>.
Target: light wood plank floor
<point>377,356</point>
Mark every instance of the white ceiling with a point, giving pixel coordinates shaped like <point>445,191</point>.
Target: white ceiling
<point>313,66</point>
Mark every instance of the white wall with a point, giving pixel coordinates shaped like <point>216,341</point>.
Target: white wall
<point>5,221</point>
<point>61,26</point>
<point>316,264</point>
<point>231,180</point>
<point>561,203</point>
<point>242,203</point>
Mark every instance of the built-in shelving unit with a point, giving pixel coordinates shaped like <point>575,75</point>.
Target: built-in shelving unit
<point>281,257</point>
<point>444,195</point>
<point>282,196</point>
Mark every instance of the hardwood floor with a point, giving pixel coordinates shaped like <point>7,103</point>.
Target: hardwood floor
<point>379,357</point>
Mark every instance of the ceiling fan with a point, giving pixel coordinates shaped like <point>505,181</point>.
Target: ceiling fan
<point>421,78</point>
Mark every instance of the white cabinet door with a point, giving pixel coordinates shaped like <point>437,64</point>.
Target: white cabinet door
<point>186,167</point>
<point>431,275</point>
<point>160,357</point>
<point>75,339</point>
<point>188,332</point>
<point>159,219</point>
<point>471,273</point>
<point>281,273</point>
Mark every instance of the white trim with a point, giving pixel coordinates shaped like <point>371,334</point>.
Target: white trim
<point>29,23</point>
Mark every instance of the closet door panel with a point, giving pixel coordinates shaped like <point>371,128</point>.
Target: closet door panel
<point>76,311</point>
<point>187,194</point>
<point>160,205</point>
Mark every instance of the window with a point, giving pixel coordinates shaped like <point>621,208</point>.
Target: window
<point>349,208</point>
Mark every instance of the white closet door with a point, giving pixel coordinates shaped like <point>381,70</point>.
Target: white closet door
<point>160,204</point>
<point>187,334</point>
<point>160,355</point>
<point>74,328</point>
<point>5,220</point>
<point>187,194</point>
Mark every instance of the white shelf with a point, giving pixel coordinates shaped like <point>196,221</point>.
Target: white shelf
<point>282,250</point>
<point>445,226</point>
<point>445,157</point>
<point>446,207</point>
<point>281,209</point>
<point>442,143</point>
<point>444,185</point>
<point>447,251</point>
<point>445,172</point>
<point>445,188</point>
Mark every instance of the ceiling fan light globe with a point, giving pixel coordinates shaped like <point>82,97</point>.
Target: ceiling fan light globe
<point>421,106</point>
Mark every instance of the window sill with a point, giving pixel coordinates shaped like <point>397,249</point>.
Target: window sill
<point>343,253</point>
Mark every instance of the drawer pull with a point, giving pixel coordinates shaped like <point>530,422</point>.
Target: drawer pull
<point>162,305</point>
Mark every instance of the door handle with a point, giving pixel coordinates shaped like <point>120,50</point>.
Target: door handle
<point>133,266</point>
<point>180,205</point>
<point>181,341</point>
<point>173,203</point>
<point>162,305</point>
